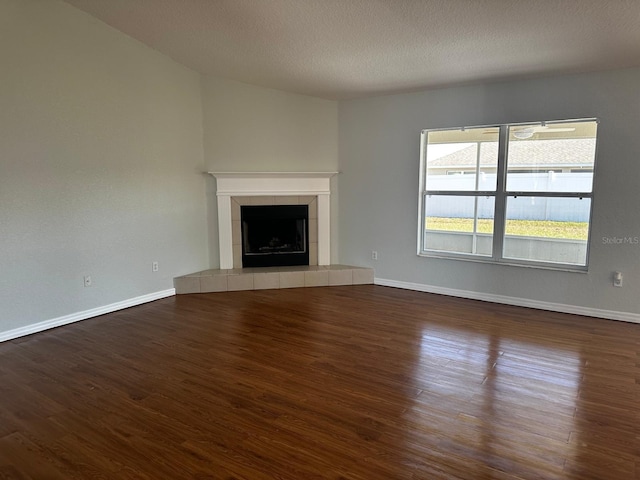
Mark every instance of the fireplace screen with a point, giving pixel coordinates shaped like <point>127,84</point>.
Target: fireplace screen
<point>275,235</point>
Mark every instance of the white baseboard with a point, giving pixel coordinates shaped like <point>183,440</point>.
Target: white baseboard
<point>76,317</point>
<point>516,301</point>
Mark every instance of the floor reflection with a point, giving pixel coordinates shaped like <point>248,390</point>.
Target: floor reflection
<point>478,388</point>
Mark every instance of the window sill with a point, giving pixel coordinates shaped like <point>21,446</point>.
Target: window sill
<point>506,262</point>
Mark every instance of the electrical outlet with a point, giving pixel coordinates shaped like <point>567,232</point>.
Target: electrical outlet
<point>87,281</point>
<point>374,255</point>
<point>155,267</point>
<point>617,279</point>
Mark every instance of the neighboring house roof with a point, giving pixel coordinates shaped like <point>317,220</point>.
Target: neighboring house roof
<point>525,153</point>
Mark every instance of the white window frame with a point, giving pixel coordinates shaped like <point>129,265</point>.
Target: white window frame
<point>501,195</point>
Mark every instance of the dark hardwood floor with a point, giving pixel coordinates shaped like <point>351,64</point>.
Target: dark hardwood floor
<point>359,382</point>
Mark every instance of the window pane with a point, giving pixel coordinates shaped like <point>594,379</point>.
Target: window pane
<point>462,160</point>
<point>462,224</point>
<point>545,229</point>
<point>552,157</point>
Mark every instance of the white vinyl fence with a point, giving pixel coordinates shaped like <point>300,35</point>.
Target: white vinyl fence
<point>520,208</point>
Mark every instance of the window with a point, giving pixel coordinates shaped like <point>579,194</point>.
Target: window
<point>522,193</point>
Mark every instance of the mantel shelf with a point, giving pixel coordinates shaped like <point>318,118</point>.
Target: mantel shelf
<point>273,174</point>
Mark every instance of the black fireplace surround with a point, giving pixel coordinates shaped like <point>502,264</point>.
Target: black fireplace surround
<point>274,235</point>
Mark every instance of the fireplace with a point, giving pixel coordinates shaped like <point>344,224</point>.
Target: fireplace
<point>274,235</point>
<point>234,189</point>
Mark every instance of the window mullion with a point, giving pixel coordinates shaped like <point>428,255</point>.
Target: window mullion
<point>543,194</point>
<point>501,198</point>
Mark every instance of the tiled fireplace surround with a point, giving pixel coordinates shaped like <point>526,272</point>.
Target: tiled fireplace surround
<point>236,229</point>
<point>290,188</point>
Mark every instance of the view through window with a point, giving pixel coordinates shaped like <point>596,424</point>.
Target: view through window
<point>517,193</point>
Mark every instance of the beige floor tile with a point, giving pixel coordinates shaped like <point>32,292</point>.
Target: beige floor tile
<point>318,278</point>
<point>313,268</point>
<point>341,277</point>
<point>241,270</point>
<point>340,267</point>
<point>213,283</point>
<point>216,280</point>
<point>265,281</point>
<point>295,268</point>
<point>291,279</point>
<point>190,284</point>
<point>362,276</point>
<point>240,282</point>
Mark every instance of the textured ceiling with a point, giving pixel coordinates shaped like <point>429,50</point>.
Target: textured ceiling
<point>341,49</point>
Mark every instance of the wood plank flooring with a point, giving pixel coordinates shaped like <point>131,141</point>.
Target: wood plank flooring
<point>356,382</point>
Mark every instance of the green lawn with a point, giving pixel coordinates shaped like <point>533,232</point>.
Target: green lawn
<point>528,228</point>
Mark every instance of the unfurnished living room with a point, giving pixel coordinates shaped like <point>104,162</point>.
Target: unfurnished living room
<point>320,239</point>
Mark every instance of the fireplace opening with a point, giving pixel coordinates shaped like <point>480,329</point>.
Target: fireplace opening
<point>274,235</point>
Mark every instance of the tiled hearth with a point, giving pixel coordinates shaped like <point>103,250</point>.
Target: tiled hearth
<point>237,189</point>
<point>272,278</point>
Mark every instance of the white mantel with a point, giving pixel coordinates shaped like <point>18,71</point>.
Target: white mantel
<point>237,184</point>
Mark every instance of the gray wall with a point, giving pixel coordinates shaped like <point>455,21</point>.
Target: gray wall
<point>101,162</point>
<point>379,160</point>
<point>255,129</point>
<point>103,145</point>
